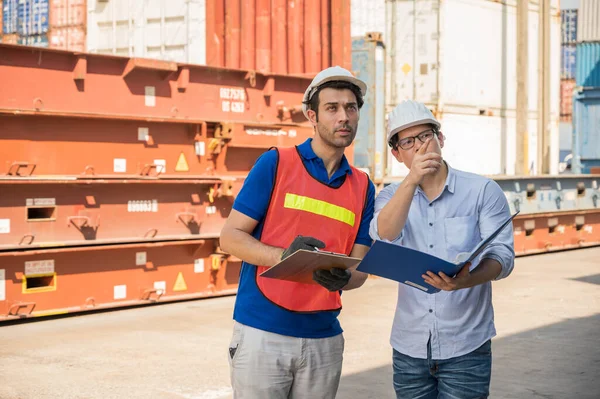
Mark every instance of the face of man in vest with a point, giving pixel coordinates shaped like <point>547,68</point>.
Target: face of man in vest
<point>337,117</point>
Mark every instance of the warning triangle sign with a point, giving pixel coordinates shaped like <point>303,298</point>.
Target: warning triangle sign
<point>180,284</point>
<point>182,165</point>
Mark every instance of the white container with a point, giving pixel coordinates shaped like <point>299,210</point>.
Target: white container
<point>459,58</point>
<point>588,21</point>
<point>473,144</point>
<point>462,53</point>
<point>367,16</point>
<point>173,30</point>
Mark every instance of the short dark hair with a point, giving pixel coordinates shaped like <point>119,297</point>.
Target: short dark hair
<point>313,103</point>
<point>393,143</point>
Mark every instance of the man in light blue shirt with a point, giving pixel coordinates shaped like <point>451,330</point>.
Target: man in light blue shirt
<point>442,341</point>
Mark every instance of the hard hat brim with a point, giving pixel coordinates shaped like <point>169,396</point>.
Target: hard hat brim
<point>350,79</point>
<point>423,121</point>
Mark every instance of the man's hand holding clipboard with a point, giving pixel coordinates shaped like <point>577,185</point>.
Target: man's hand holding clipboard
<point>304,262</point>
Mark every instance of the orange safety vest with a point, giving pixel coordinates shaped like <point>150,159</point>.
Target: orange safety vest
<point>302,205</point>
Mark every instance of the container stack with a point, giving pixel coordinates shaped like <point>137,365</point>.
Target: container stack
<point>568,44</point>
<point>58,24</point>
<point>118,173</point>
<point>586,134</point>
<point>568,53</point>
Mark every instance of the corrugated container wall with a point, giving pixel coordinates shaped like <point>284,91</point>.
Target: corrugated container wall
<point>33,17</point>
<point>284,37</point>
<point>59,24</point>
<point>68,25</point>
<point>367,16</point>
<point>568,26</point>
<point>566,99</point>
<point>279,36</point>
<point>588,64</point>
<point>171,30</point>
<point>368,63</point>
<point>9,16</point>
<point>469,70</point>
<point>588,21</point>
<point>568,61</point>
<point>586,132</point>
<point>485,133</point>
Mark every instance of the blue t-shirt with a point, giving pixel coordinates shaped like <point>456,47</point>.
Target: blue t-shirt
<point>251,307</point>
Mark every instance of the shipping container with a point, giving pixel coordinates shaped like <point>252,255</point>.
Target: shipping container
<point>586,129</point>
<point>284,37</point>
<point>565,139</point>
<point>367,16</point>
<point>67,38</point>
<point>9,16</point>
<point>368,63</point>
<point>32,17</point>
<point>174,30</point>
<point>68,13</point>
<point>11,38</point>
<point>566,99</point>
<point>466,74</point>
<point>588,24</point>
<point>33,40</point>
<point>474,143</point>
<point>568,61</point>
<point>588,64</point>
<point>568,26</point>
<point>57,24</point>
<point>443,63</point>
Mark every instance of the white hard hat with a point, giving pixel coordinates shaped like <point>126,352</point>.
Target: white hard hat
<point>407,114</point>
<point>327,75</point>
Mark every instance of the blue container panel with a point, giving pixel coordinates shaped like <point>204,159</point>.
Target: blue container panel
<point>35,41</point>
<point>32,17</point>
<point>588,65</point>
<point>568,64</point>
<point>9,16</point>
<point>586,135</point>
<point>568,26</point>
<point>589,164</point>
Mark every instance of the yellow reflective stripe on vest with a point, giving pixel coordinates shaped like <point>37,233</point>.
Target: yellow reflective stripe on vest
<point>318,207</point>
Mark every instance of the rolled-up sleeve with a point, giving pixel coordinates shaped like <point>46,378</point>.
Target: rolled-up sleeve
<point>381,201</point>
<point>494,211</point>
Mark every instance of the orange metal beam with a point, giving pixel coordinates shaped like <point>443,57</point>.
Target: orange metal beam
<point>84,212</point>
<point>119,87</point>
<point>127,149</point>
<point>41,283</point>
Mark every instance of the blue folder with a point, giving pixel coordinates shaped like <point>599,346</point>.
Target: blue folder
<point>407,265</point>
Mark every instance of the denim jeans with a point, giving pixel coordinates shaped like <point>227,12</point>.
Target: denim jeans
<point>462,377</point>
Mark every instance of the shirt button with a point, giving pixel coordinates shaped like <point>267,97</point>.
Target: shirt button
<point>431,246</point>
<point>431,224</point>
<point>430,310</point>
<point>430,204</point>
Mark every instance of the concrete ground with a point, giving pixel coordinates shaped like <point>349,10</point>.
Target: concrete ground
<point>548,343</point>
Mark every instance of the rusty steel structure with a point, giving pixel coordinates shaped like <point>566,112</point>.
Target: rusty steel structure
<point>117,175</point>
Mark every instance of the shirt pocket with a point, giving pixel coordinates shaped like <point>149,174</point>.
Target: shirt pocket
<point>462,235</point>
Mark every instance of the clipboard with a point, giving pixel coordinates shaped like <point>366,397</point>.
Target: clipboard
<point>406,265</point>
<point>299,266</point>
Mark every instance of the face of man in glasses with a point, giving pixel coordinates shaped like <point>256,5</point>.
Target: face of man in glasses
<point>411,140</point>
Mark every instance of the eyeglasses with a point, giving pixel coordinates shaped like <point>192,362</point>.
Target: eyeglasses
<point>409,142</point>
